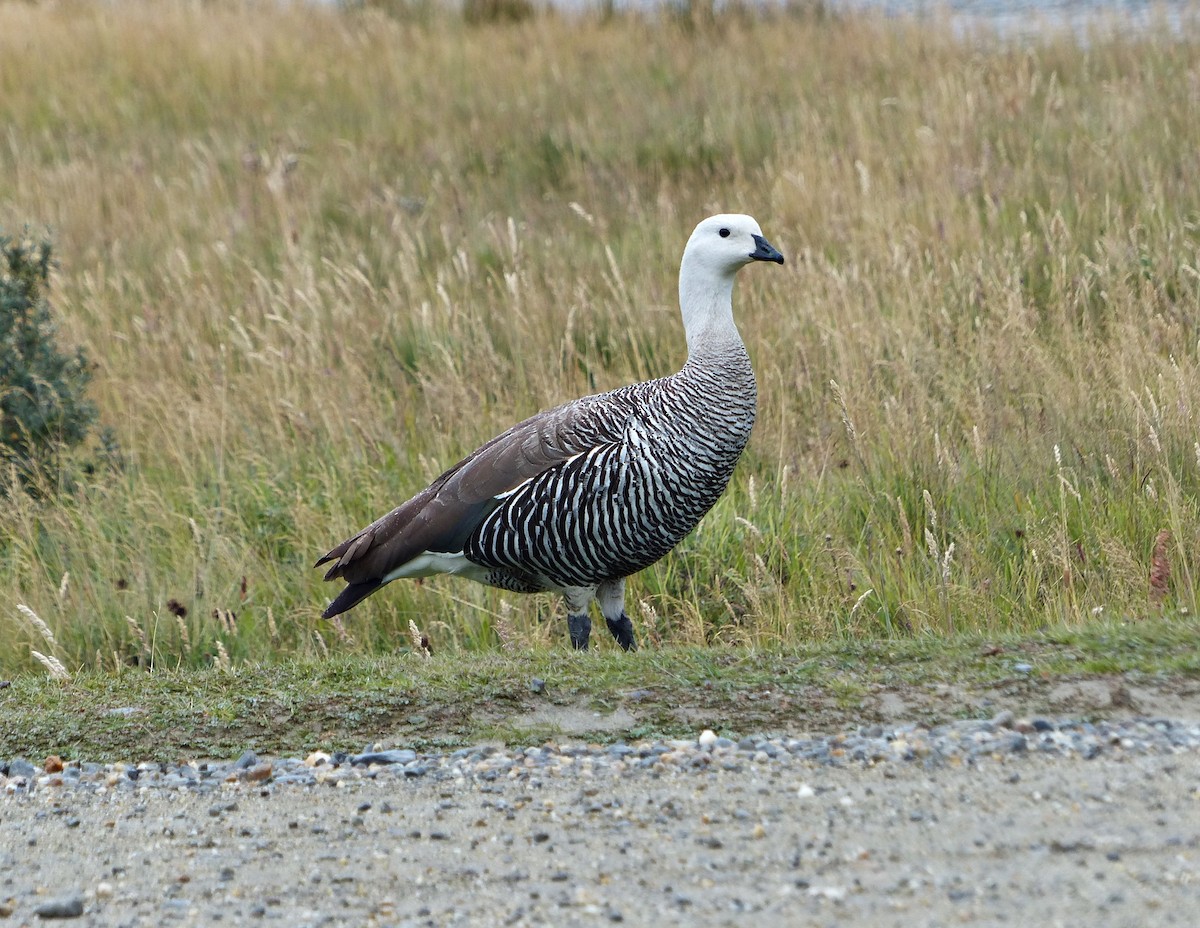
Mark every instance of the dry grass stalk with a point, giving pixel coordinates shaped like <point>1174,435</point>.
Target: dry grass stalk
<point>858,602</point>
<point>38,625</point>
<point>504,627</point>
<point>905,529</point>
<point>947,560</point>
<point>931,545</point>
<point>139,636</point>
<point>227,619</point>
<point>847,422</point>
<point>419,642</point>
<point>52,664</point>
<point>1160,568</point>
<point>755,531</point>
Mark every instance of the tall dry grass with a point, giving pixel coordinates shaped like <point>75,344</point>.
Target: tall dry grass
<point>318,256</point>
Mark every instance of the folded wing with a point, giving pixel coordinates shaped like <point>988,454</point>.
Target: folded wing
<point>442,516</point>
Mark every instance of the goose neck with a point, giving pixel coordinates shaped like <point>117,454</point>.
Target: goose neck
<point>706,302</point>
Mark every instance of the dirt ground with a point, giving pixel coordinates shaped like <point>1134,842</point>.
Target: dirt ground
<point>1016,839</point>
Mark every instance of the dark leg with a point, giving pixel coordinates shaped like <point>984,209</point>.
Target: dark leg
<point>611,595</point>
<point>622,630</point>
<point>580,627</point>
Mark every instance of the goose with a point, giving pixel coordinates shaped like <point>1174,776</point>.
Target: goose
<point>577,498</point>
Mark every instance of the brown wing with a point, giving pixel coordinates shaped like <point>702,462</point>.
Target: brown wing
<point>443,515</point>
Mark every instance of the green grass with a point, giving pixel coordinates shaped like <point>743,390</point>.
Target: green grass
<point>290,707</point>
<point>317,256</point>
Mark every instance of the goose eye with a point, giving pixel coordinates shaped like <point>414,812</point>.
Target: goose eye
<point>724,233</point>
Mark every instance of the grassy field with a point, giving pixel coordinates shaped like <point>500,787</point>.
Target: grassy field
<point>318,256</point>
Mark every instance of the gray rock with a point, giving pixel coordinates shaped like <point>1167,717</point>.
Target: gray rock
<point>63,907</point>
<point>246,761</point>
<point>404,756</point>
<point>125,711</point>
<point>20,767</point>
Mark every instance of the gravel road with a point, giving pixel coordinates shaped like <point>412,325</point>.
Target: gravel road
<point>1003,821</point>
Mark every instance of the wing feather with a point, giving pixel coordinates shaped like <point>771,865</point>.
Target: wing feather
<point>441,516</point>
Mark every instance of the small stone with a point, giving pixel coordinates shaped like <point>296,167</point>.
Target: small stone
<point>246,761</point>
<point>707,738</point>
<point>537,685</point>
<point>20,767</point>
<point>385,758</point>
<point>125,711</point>
<point>66,907</point>
<point>316,759</point>
<point>258,773</point>
<point>1023,668</point>
<point>104,890</point>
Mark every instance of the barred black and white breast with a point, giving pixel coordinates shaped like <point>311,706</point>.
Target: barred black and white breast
<point>664,453</point>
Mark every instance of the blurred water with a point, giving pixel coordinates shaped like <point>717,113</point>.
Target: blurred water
<point>1031,16</point>
<point>1007,17</point>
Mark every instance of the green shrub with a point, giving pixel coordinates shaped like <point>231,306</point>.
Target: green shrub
<point>43,403</point>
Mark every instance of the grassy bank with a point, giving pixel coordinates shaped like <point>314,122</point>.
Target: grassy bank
<point>318,256</point>
<point>348,701</point>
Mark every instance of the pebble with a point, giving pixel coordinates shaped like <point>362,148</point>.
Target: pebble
<point>384,757</point>
<point>972,741</point>
<point>20,767</point>
<point>66,907</point>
